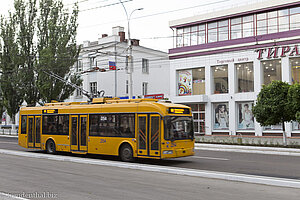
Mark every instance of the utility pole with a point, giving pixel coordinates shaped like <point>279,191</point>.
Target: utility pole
<point>129,51</point>
<point>116,81</point>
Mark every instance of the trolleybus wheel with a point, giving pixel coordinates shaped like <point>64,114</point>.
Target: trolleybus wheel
<point>50,147</point>
<point>126,153</point>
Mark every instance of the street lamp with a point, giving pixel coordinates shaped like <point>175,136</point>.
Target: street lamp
<point>129,51</point>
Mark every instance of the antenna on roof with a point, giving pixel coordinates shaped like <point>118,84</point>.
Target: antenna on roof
<point>84,92</point>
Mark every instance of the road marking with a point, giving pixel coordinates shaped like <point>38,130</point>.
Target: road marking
<point>6,196</point>
<point>210,158</point>
<point>9,142</point>
<point>11,136</point>
<point>293,183</point>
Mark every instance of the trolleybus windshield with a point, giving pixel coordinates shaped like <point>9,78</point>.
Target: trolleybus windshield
<point>178,128</point>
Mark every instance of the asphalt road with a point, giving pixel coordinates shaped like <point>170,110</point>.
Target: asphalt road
<point>68,180</point>
<point>242,163</point>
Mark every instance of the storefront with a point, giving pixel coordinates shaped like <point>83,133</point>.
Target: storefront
<point>219,65</point>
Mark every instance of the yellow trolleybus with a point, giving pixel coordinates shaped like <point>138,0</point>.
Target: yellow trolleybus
<point>141,128</point>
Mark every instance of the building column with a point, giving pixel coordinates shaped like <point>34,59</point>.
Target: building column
<point>258,81</point>
<point>286,73</point>
<point>231,103</point>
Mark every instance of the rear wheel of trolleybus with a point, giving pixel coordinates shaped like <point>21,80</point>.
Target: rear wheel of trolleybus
<point>50,147</point>
<point>126,153</point>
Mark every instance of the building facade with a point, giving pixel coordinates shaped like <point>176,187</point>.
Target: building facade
<point>103,65</point>
<point>221,60</point>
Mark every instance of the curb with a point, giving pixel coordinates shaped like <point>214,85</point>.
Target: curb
<point>248,149</point>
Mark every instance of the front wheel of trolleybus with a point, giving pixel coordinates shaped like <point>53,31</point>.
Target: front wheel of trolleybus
<point>50,147</point>
<point>126,153</point>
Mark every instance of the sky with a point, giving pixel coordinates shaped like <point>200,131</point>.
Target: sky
<point>150,25</point>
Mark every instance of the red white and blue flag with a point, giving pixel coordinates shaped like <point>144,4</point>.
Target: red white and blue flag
<point>112,65</point>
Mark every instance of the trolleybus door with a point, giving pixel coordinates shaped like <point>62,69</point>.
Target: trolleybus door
<point>30,132</point>
<point>83,133</point>
<point>154,135</point>
<point>74,133</point>
<point>37,135</point>
<point>142,135</point>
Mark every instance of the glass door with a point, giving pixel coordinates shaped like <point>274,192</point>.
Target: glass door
<point>30,132</point>
<point>83,133</point>
<point>142,135</point>
<point>37,132</point>
<point>154,135</point>
<point>74,133</point>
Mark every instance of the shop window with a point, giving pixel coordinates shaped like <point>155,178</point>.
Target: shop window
<point>198,111</point>
<point>277,127</point>
<point>220,76</point>
<point>296,126</point>
<point>191,82</point>
<point>271,71</point>
<point>245,116</point>
<point>245,77</point>
<point>221,116</point>
<point>295,65</point>
<point>198,81</point>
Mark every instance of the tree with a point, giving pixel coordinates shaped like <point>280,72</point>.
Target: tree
<point>26,14</point>
<point>57,49</point>
<point>272,106</point>
<point>294,100</point>
<point>9,64</point>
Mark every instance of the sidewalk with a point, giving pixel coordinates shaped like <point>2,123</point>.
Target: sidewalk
<point>248,149</point>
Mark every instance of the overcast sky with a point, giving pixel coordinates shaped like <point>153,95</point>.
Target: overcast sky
<point>150,25</point>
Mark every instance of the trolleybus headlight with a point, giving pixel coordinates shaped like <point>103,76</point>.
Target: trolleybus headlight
<point>168,152</point>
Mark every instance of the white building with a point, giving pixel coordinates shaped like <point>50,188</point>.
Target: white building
<point>150,68</point>
<point>221,60</point>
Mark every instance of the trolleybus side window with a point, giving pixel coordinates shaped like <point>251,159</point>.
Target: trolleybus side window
<point>56,124</point>
<point>112,125</point>
<point>23,124</point>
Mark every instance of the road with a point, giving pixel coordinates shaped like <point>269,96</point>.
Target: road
<point>241,163</point>
<point>68,180</point>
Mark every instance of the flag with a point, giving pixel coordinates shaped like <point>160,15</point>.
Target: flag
<point>112,65</point>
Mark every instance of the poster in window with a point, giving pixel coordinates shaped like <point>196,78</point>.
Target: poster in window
<point>246,119</point>
<point>185,82</point>
<point>221,116</point>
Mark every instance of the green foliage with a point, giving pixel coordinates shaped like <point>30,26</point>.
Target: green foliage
<point>294,100</point>
<point>57,49</point>
<point>272,106</point>
<point>9,64</point>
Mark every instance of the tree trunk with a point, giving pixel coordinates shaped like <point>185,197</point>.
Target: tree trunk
<point>13,119</point>
<point>284,135</point>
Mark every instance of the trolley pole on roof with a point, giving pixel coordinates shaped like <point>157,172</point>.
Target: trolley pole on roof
<point>84,92</point>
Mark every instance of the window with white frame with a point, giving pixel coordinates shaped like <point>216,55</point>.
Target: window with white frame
<point>145,66</point>
<point>271,70</point>
<point>93,87</point>
<point>79,66</point>
<point>79,92</point>
<point>295,66</point>
<point>145,88</point>
<point>198,111</point>
<point>245,77</point>
<point>245,116</point>
<point>220,77</point>
<point>221,116</point>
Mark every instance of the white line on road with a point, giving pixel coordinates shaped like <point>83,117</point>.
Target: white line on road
<point>163,169</point>
<point>210,158</point>
<point>9,142</point>
<point>6,196</point>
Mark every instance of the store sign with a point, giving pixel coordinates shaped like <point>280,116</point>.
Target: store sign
<point>154,96</point>
<point>276,52</point>
<point>232,60</point>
